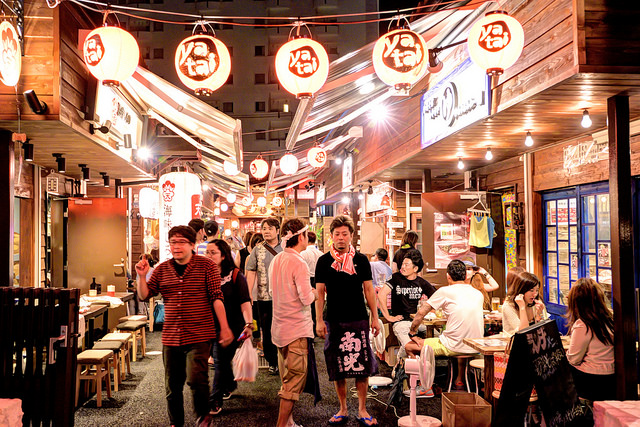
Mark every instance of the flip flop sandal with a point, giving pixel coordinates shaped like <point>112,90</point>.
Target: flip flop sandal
<point>339,420</point>
<point>366,420</point>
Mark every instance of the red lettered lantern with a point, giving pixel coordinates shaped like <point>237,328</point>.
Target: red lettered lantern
<point>302,66</point>
<point>203,63</point>
<point>276,201</point>
<point>495,42</point>
<point>259,168</point>
<point>111,54</point>
<point>317,157</point>
<point>10,55</point>
<point>400,58</point>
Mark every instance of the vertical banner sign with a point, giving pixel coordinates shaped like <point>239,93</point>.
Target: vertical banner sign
<point>10,58</point>
<point>180,202</point>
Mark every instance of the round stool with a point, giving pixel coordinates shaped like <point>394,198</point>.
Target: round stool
<point>478,369</point>
<point>466,358</point>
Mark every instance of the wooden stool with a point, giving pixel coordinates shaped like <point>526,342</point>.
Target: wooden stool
<point>478,369</point>
<point>116,347</point>
<point>122,337</point>
<point>100,360</point>
<point>466,358</point>
<point>136,317</point>
<point>137,330</point>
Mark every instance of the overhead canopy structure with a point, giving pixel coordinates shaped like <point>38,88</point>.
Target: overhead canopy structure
<point>353,87</point>
<point>216,136</point>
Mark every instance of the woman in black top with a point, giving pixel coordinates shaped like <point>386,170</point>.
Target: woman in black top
<point>243,253</point>
<point>409,241</point>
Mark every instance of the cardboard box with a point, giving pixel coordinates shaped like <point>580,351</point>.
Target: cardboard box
<point>465,410</point>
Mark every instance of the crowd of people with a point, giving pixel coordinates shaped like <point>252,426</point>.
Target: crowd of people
<point>213,289</point>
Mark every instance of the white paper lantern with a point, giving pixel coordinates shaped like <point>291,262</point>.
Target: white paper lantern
<point>230,168</point>
<point>111,54</point>
<point>224,207</point>
<point>216,211</point>
<point>180,202</point>
<point>317,157</point>
<point>277,201</point>
<point>227,232</point>
<point>495,42</point>
<point>289,164</point>
<point>231,198</point>
<point>10,54</point>
<point>302,66</point>
<point>262,201</point>
<point>259,168</point>
<point>400,58</point>
<point>149,203</point>
<point>234,224</point>
<point>203,63</point>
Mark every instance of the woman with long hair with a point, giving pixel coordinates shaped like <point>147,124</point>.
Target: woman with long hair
<point>478,283</point>
<point>409,240</point>
<point>523,306</point>
<point>243,253</point>
<point>591,350</point>
<point>237,304</point>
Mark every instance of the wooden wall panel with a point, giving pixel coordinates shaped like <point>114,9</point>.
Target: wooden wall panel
<point>610,24</point>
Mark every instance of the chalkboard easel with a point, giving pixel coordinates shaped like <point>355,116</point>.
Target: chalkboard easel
<point>538,358</point>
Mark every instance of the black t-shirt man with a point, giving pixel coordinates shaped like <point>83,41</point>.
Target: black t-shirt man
<point>406,293</point>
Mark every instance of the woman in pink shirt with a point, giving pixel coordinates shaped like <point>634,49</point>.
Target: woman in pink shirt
<point>591,350</point>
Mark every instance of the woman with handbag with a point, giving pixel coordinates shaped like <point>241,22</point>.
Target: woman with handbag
<point>237,304</point>
<point>591,350</point>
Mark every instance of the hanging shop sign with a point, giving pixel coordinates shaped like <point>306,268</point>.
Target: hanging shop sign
<point>10,55</point>
<point>495,42</point>
<point>180,202</point>
<point>123,119</point>
<point>347,173</point>
<point>203,63</point>
<point>302,66</point>
<point>111,54</point>
<point>321,194</point>
<point>373,202</point>
<point>395,224</point>
<point>400,58</point>
<point>458,100</point>
<point>149,203</point>
<point>304,194</point>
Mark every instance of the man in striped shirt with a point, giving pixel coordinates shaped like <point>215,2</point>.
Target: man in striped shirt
<point>190,286</point>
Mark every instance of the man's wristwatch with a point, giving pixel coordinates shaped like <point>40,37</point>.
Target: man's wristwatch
<point>412,335</point>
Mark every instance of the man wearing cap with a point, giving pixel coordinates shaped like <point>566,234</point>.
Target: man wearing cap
<point>190,286</point>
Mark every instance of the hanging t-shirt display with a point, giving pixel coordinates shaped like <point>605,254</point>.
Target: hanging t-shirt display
<point>481,231</point>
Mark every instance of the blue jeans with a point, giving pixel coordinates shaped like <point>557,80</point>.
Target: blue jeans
<point>186,362</point>
<point>223,381</point>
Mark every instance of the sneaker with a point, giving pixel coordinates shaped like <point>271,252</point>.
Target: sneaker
<point>215,410</point>
<point>226,395</point>
<point>421,393</point>
<point>273,370</point>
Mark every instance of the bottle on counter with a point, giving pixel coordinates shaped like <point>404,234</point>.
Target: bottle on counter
<point>93,284</point>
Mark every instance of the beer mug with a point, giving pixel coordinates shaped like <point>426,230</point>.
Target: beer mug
<point>495,303</point>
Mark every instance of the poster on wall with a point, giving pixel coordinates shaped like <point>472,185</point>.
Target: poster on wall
<point>451,239</point>
<point>604,255</point>
<point>510,236</point>
<point>380,199</point>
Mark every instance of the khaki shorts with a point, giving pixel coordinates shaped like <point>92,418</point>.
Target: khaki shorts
<point>438,348</point>
<point>292,362</point>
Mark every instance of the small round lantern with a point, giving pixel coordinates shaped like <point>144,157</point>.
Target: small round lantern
<point>231,198</point>
<point>289,164</point>
<point>230,168</point>
<point>246,201</point>
<point>276,201</point>
<point>203,63</point>
<point>216,211</point>
<point>227,232</point>
<point>400,58</point>
<point>10,54</point>
<point>111,54</point>
<point>317,157</point>
<point>259,168</point>
<point>302,66</point>
<point>234,224</point>
<point>224,207</point>
<point>261,202</point>
<point>495,42</point>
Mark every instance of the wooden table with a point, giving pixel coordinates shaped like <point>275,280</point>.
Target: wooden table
<point>488,346</point>
<point>433,323</point>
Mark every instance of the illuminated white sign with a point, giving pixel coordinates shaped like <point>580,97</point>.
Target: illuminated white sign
<point>347,173</point>
<point>455,102</point>
<point>112,107</point>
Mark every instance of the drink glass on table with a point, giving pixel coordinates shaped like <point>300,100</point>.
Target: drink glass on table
<point>495,303</point>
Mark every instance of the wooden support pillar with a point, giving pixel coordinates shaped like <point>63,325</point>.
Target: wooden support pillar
<point>622,270</point>
<point>426,180</point>
<point>6,213</point>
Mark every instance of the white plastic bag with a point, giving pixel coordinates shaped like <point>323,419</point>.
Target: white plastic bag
<point>245,362</point>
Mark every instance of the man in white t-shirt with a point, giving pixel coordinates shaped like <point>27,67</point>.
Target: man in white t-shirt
<point>462,306</point>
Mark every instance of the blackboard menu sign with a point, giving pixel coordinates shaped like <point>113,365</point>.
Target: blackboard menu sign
<point>538,358</point>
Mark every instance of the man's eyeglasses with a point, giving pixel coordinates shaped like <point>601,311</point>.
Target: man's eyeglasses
<point>178,242</point>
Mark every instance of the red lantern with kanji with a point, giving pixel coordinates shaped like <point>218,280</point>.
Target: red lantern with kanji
<point>259,168</point>
<point>302,66</point>
<point>203,63</point>
<point>317,157</point>
<point>495,42</point>
<point>400,58</point>
<point>111,54</point>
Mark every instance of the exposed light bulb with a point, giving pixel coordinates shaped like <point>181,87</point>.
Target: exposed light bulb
<point>460,163</point>
<point>528,140</point>
<point>489,154</point>
<point>345,200</point>
<point>378,113</point>
<point>143,153</point>
<point>338,160</point>
<point>234,224</point>
<point>586,119</point>
<point>262,201</point>
<point>360,195</point>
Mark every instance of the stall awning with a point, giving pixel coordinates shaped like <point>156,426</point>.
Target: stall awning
<point>216,136</point>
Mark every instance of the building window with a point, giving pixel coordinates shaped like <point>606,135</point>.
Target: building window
<point>333,50</point>
<point>158,53</point>
<point>259,79</point>
<point>227,107</point>
<point>260,106</point>
<point>259,50</point>
<point>158,26</point>
<point>261,134</point>
<point>145,53</point>
<point>577,241</point>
